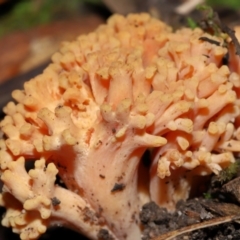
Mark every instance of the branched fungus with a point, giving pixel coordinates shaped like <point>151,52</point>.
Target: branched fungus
<point>106,98</point>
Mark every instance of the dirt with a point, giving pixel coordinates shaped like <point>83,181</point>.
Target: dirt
<point>219,204</point>
<point>158,221</point>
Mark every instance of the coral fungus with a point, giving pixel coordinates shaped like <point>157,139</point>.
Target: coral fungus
<point>106,98</point>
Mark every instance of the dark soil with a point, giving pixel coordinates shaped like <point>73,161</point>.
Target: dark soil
<point>221,200</point>
<point>158,221</point>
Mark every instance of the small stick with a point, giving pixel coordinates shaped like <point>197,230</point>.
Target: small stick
<point>193,227</point>
<point>231,33</point>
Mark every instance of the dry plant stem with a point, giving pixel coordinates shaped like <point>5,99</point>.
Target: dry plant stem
<point>197,226</point>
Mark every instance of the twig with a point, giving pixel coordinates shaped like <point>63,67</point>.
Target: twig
<point>193,227</point>
<point>206,39</point>
<point>231,33</point>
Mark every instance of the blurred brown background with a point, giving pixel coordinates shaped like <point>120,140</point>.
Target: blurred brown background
<point>31,31</point>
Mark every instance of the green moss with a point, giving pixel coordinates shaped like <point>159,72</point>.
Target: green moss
<point>27,13</point>
<point>234,4</point>
<point>191,23</point>
<point>229,173</point>
<point>207,195</point>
